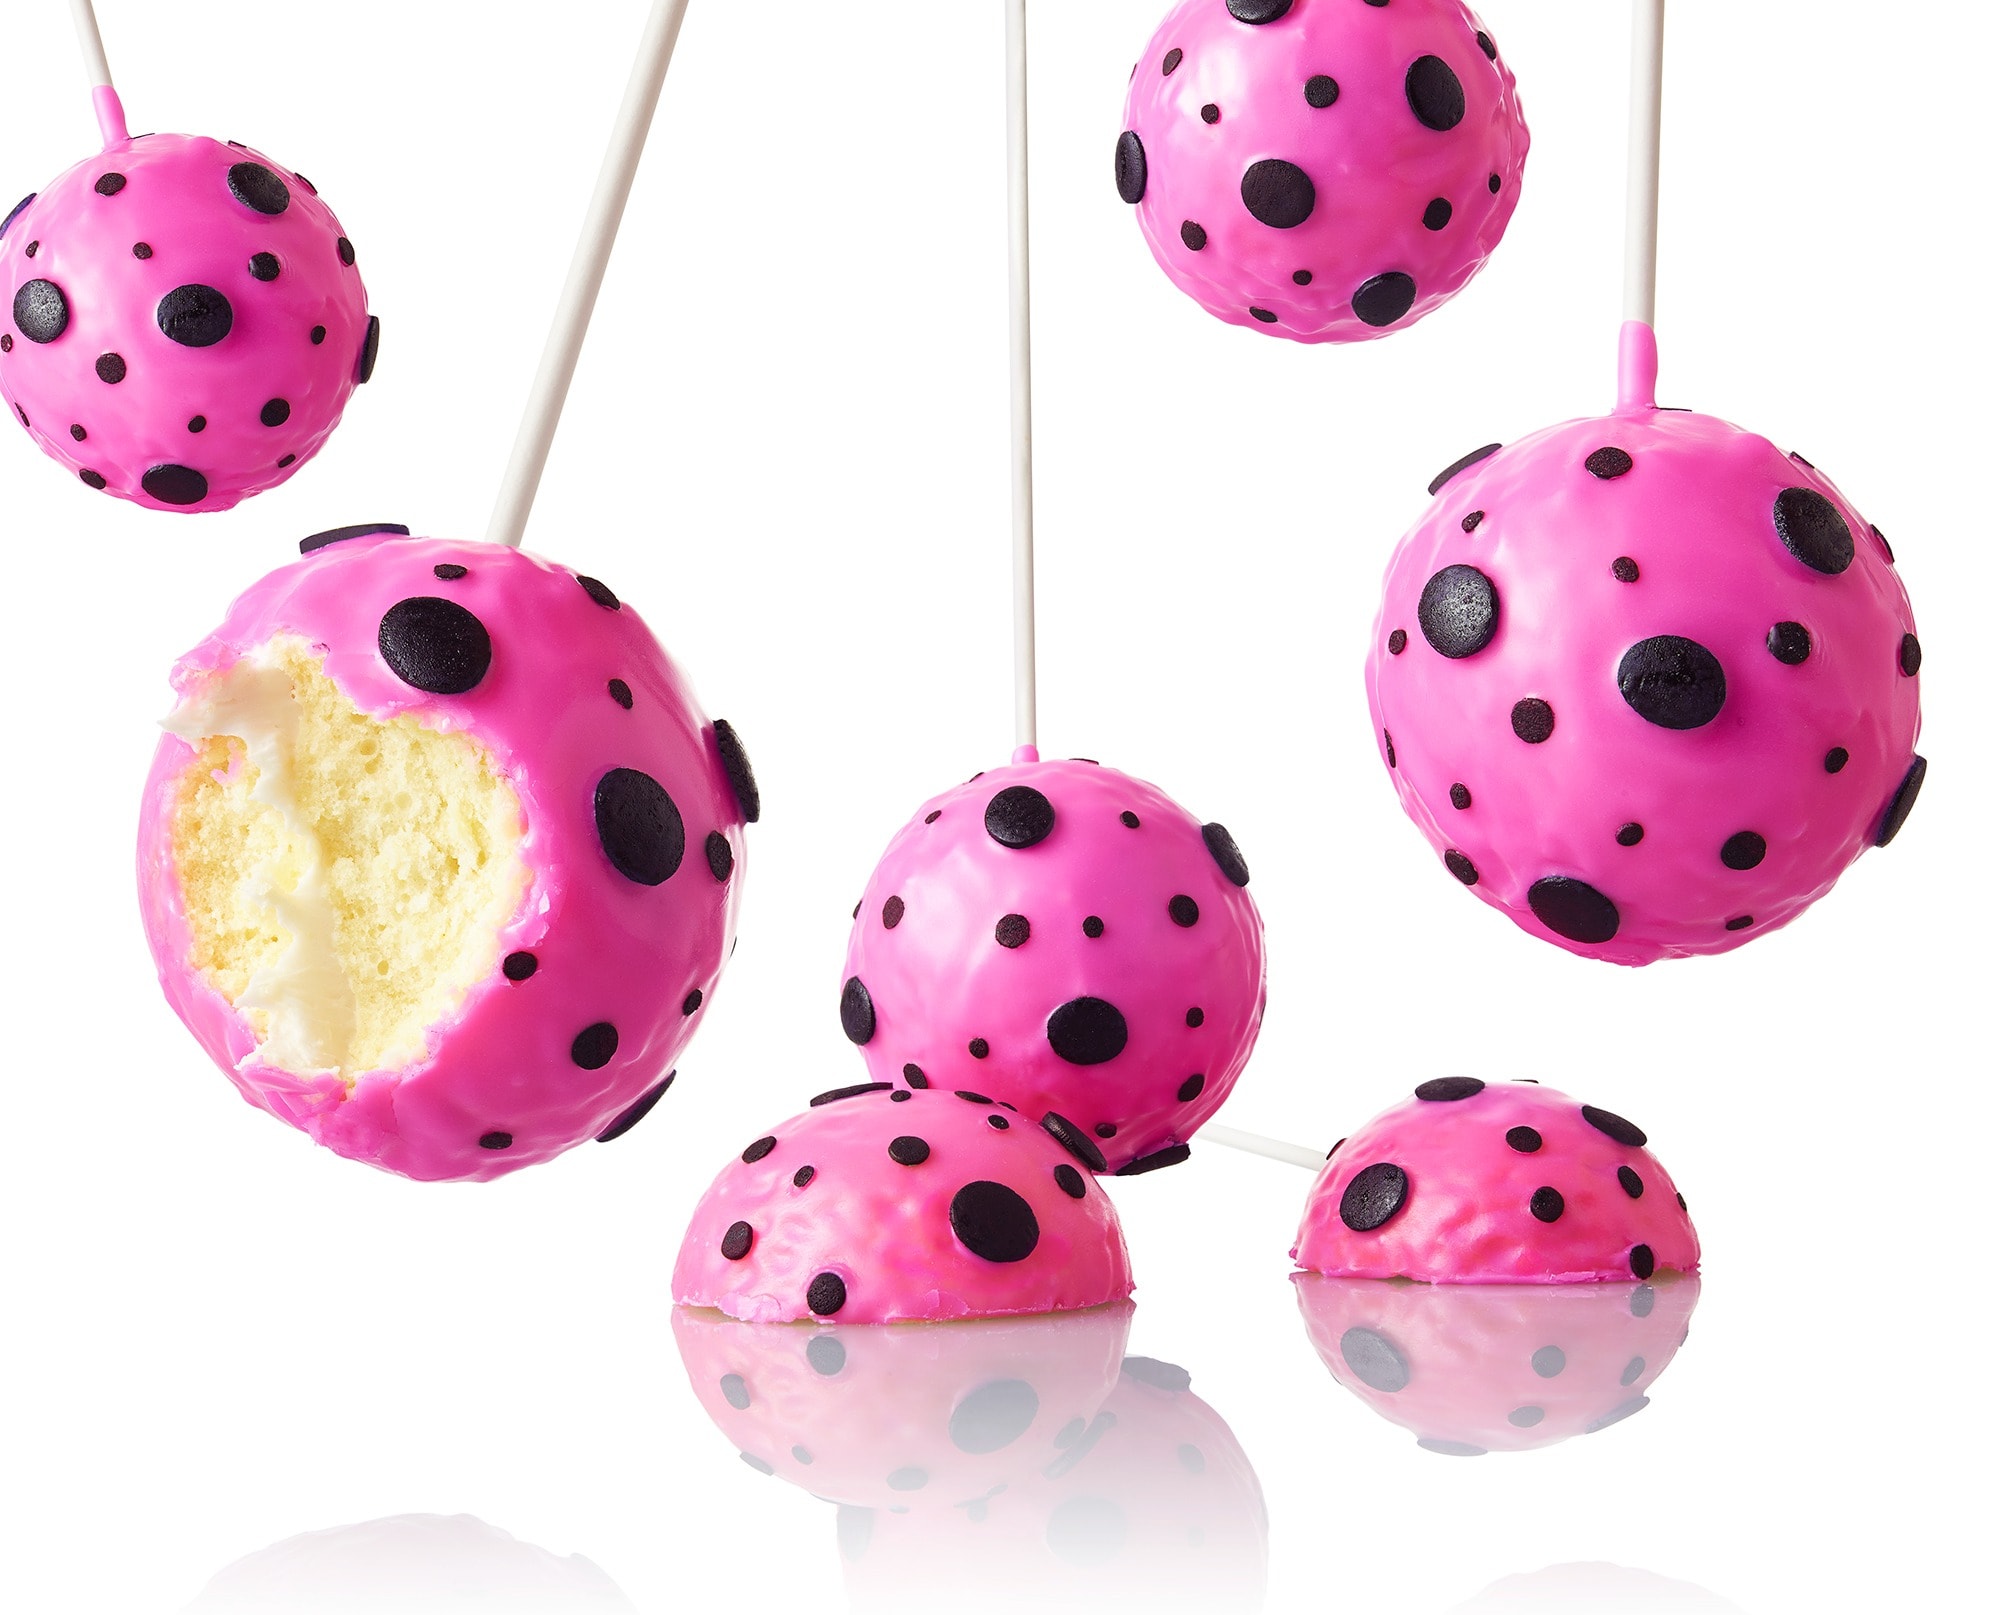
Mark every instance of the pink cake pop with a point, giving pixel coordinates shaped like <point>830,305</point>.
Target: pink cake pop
<point>1069,938</point>
<point>922,1417</point>
<point>1515,1184</point>
<point>1472,1369</point>
<point>183,321</point>
<point>611,870</point>
<point>883,1204</point>
<point>1326,170</point>
<point>1647,684</point>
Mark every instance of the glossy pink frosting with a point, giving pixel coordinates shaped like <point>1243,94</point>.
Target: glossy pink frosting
<point>1404,143</point>
<point>123,232</point>
<point>1508,1183</point>
<point>1471,1369</point>
<point>643,959</point>
<point>1059,974</point>
<point>1663,841</point>
<point>880,1205</point>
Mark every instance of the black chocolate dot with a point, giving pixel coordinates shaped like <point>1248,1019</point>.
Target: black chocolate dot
<point>1195,1017</point>
<point>593,1047</point>
<point>1615,1127</point>
<point>1374,1196</point>
<point>857,1011</point>
<point>721,857</point>
<point>599,592</point>
<point>1191,1089</point>
<point>1072,1138</point>
<point>736,1242</point>
<point>994,1223</point>
<point>618,689</point>
<point>141,250</point>
<point>1534,719</point>
<point>1643,1262</point>
<point>1384,299</point>
<point>1437,214</point>
<point>692,1002</point>
<point>1461,798</point>
<point>979,1048</point>
<point>1443,1090</point>
<point>1625,569</point>
<point>344,249</point>
<point>1790,642</point>
<point>1170,61</point>
<point>1900,804</point>
<point>756,1151</point>
<point>1375,1360</point>
<point>92,479</point>
<point>1493,183</point>
<point>1129,819</point>
<point>1211,113</point>
<point>1398,641</point>
<point>1087,1031</point>
<point>175,484</point>
<point>1258,11</point>
<point>41,312</point>
<point>318,334</point>
<point>1486,44</point>
<point>1607,464</point>
<point>1093,927</point>
<point>1020,816</point>
<point>195,316</point>
<point>1813,529</point>
<point>496,1141</point>
<point>1069,1180</point>
<point>18,209</point>
<point>109,184</point>
<point>1836,759</point>
<point>970,1097</point>
<point>1524,1139</point>
<point>1264,316</point>
<point>1549,1361</point>
<point>1227,855</point>
<point>893,910</point>
<point>1389,746</point>
<point>256,187</point>
<point>275,412</point>
<point>934,815</point>
<point>449,571</point>
<point>519,966</point>
<point>1193,236</point>
<point>1672,682</point>
<point>900,1096</point>
<point>371,347</point>
<point>909,1151</point>
<point>1631,1182</point>
<point>1630,835</point>
<point>1106,1129</point>
<point>1472,520</point>
<point>1434,93</point>
<point>997,1122</point>
<point>1459,611</point>
<point>111,368</point>
<point>736,764</point>
<point>1546,1204</point>
<point>435,645</point>
<point>1011,931</point>
<point>1574,909</point>
<point>78,433</point>
<point>1742,922</point>
<point>1744,850</point>
<point>285,460</point>
<point>1461,866</point>
<point>637,1111</point>
<point>914,1076</point>
<point>1909,656</point>
<point>803,1176</point>
<point>264,266</point>
<point>1128,168</point>
<point>1183,910</point>
<point>1278,193</point>
<point>826,1295</point>
<point>1321,91</point>
<point>638,824</point>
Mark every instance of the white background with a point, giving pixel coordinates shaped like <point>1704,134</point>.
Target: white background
<point>786,446</point>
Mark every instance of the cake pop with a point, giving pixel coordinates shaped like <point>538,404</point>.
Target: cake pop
<point>1472,1369</point>
<point>1468,1183</point>
<point>440,861</point>
<point>1646,683</point>
<point>1324,170</point>
<point>1069,938</point>
<point>182,320</point>
<point>881,1204</point>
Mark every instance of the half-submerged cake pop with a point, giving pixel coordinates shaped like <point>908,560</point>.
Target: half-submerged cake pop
<point>440,861</point>
<point>1647,683</point>
<point>1472,1369</point>
<point>1468,1183</point>
<point>182,320</point>
<point>882,1205</point>
<point>1068,938</point>
<point>1325,170</point>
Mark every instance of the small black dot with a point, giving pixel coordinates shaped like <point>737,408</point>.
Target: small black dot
<point>909,1151</point>
<point>1631,1182</point>
<point>1195,1017</point>
<point>344,249</point>
<point>1259,11</point>
<point>1888,554</point>
<point>970,1097</point>
<point>175,484</point>
<point>195,316</point>
<point>1524,1139</point>
<point>720,855</point>
<point>1898,810</point>
<point>979,1048</point>
<point>448,571</point>
<point>1643,1262</point>
<point>637,1111</point>
<point>1615,1127</point>
<point>1444,1090</point>
<point>371,350</point>
<point>1375,1194</point>
<point>737,1240</point>
<point>639,826</point>
<point>1321,91</point>
<point>1302,277</point>
<point>1071,1137</point>
<point>1534,720</point>
<point>92,479</point>
<point>285,460</point>
<point>1438,214</point>
<point>1129,819</point>
<point>1461,866</point>
<point>736,764</point>
<point>734,1391</point>
<point>264,266</point>
<point>1546,1204</point>
<point>110,184</point>
<point>1630,835</point>
<point>1836,759</point>
<point>110,368</point>
<point>1812,528</point>
<point>496,1141</point>
<point>1909,656</point>
<point>1472,520</point>
<point>914,1076</point>
<point>519,966</point>
<point>1278,193</point>
<point>41,312</point>
<point>1019,817</point>
<point>141,250</point>
<point>997,1122</point>
<point>1069,1180</point>
<point>1459,611</point>
<point>1744,850</point>
<point>1398,641</point>
<point>900,1096</point>
<point>78,433</point>
<point>593,1047</point>
<point>1672,682</point>
<point>803,1176</point>
<point>1128,168</point>
<point>1263,316</point>
<point>1106,1129</point>
<point>598,592</point>
<point>1434,93</point>
<point>1625,569</point>
<point>257,188</point>
<point>1183,910</point>
<point>1191,1089</point>
<point>6,342</point>
<point>692,1002</point>
<point>1087,1031</point>
<point>275,412</point>
<point>1193,236</point>
<point>1493,183</point>
<point>1461,798</point>
<point>857,1011</point>
<point>1742,922</point>
<point>1011,931</point>
<point>1211,113</point>
<point>1790,642</point>
<point>1574,909</point>
<point>893,910</point>
<point>826,1295</point>
<point>994,1223</point>
<point>318,335</point>
<point>1607,464</point>
<point>756,1151</point>
<point>1486,44</point>
<point>1170,61</point>
<point>1093,927</point>
<point>1389,747</point>
<point>934,815</point>
<point>1549,1361</point>
<point>1384,299</point>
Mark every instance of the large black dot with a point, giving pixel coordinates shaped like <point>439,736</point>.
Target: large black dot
<point>1437,214</point>
<point>1375,1360</point>
<point>1615,1127</point>
<point>1258,11</point>
<point>1072,1138</point>
<point>435,645</point>
<point>1461,866</point>
<point>1900,804</point>
<point>1524,1139</point>
<point>1434,93</point>
<point>1573,908</point>
<point>256,187</point>
<point>1087,1031</point>
<point>1790,642</point>
<point>1190,1090</point>
<point>1672,682</point>
<point>908,1150</point>
<point>826,1295</point>
<point>1375,1194</point>
<point>1278,193</point>
<point>736,764</point>
<point>1744,850</point>
<point>1607,464</point>
<point>1445,1090</point>
<point>1227,855</point>
<point>276,412</point>
<point>1011,931</point>
<point>593,1047</point>
<point>1069,1180</point>
<point>1128,168</point>
<point>994,1223</point>
<point>1459,611</point>
<point>1813,529</point>
<point>1193,236</point>
<point>757,1149</point>
<point>264,266</point>
<point>175,484</point>
<point>1384,299</point>
<point>721,857</point>
<point>1159,1160</point>
<point>639,826</point>
<point>857,1011</point>
<point>737,1240</point>
<point>995,1415</point>
<point>1534,720</point>
<point>195,316</point>
<point>41,312</point>
<point>1020,816</point>
<point>637,1111</point>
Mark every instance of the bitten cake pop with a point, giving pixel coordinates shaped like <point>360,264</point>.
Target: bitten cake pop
<point>1325,170</point>
<point>440,861</point>
<point>1068,938</point>
<point>880,1205</point>
<point>1646,683</point>
<point>1468,1183</point>
<point>1472,1369</point>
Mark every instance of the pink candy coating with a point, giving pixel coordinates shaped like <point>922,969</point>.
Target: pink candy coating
<point>1512,1183</point>
<point>880,1205</point>
<point>1686,798</point>
<point>1489,1368</point>
<point>1327,170</point>
<point>1094,952</point>
<point>512,1063</point>
<point>221,246</point>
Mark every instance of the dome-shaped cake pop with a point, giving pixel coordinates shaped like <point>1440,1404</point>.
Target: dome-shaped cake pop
<point>182,321</point>
<point>1647,684</point>
<point>440,860</point>
<point>1476,1368</point>
<point>881,1205</point>
<point>1514,1183</point>
<point>1326,170</point>
<point>1069,938</point>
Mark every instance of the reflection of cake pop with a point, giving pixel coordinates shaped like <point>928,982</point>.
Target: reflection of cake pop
<point>921,1417</point>
<point>1066,937</point>
<point>1646,683</point>
<point>1321,169</point>
<point>441,861</point>
<point>1472,1369</point>
<point>1594,1588</point>
<point>181,321</point>
<point>1152,1503</point>
<point>1515,1184</point>
<point>879,1205</point>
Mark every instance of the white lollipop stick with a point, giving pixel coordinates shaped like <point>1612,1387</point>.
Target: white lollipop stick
<point>586,274</point>
<point>1638,352</point>
<point>103,96</point>
<point>1021,375</point>
<point>1272,1149</point>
